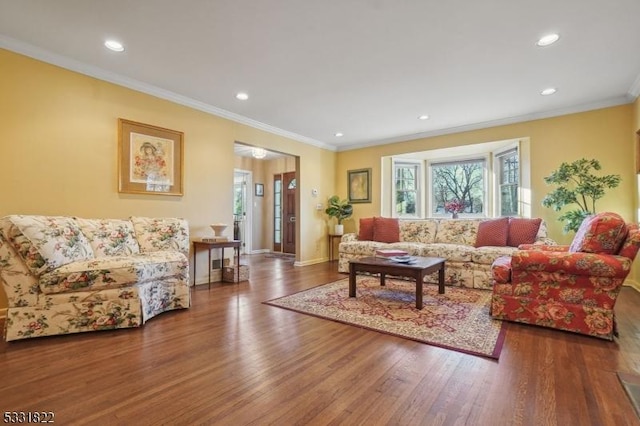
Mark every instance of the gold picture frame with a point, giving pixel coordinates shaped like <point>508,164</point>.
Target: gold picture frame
<point>150,159</point>
<point>359,182</point>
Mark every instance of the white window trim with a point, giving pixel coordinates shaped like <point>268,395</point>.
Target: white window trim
<point>496,178</point>
<point>419,204</point>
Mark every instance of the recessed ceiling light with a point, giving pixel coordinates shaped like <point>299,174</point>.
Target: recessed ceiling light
<point>116,46</point>
<point>547,40</point>
<point>549,91</point>
<point>242,96</point>
<point>339,135</point>
<point>423,117</point>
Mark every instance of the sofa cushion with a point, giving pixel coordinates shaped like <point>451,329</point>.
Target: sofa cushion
<point>109,237</point>
<point>48,242</point>
<point>157,234</point>
<point>522,231</point>
<point>418,231</point>
<point>451,252</point>
<point>462,231</point>
<point>602,233</point>
<point>488,254</point>
<point>115,271</point>
<point>493,232</point>
<point>365,232</point>
<point>386,230</point>
<point>362,248</point>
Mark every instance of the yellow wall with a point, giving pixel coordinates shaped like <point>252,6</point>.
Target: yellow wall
<point>601,134</point>
<point>58,145</point>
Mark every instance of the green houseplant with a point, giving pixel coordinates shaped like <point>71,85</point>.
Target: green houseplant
<point>340,209</point>
<point>579,187</point>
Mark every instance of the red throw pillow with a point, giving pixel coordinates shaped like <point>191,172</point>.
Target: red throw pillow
<point>603,233</point>
<point>493,232</point>
<point>386,230</point>
<point>522,231</point>
<point>365,233</point>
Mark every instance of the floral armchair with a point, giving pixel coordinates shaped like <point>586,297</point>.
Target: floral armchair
<point>571,288</point>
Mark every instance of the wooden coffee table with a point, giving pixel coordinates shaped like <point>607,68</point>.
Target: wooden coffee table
<point>383,266</point>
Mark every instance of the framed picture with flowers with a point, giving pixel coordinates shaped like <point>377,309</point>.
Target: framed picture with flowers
<point>150,159</point>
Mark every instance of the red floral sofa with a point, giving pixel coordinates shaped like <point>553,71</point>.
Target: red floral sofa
<point>571,288</point>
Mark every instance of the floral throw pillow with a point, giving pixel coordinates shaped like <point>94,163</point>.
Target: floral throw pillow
<point>57,240</point>
<point>161,234</point>
<point>602,233</point>
<point>110,237</point>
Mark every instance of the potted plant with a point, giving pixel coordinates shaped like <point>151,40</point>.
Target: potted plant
<point>577,184</point>
<point>340,209</point>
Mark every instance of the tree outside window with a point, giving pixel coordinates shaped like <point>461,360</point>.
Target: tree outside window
<point>459,181</point>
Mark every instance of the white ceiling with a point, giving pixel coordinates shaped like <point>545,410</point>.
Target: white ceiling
<point>367,68</point>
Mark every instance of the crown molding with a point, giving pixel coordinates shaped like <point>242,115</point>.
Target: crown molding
<point>621,100</point>
<point>34,52</point>
<point>634,90</point>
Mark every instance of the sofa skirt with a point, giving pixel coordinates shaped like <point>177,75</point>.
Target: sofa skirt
<point>109,309</point>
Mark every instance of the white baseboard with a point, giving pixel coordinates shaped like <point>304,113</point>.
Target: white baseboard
<point>311,262</point>
<point>260,251</point>
<point>633,284</point>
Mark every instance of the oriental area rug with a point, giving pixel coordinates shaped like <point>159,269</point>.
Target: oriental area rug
<point>458,320</point>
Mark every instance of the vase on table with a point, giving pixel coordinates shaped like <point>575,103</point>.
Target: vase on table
<point>338,229</point>
<point>454,215</point>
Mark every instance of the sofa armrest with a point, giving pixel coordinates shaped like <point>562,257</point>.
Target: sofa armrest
<point>584,264</point>
<point>350,237</point>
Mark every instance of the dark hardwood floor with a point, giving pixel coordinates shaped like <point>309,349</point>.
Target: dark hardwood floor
<point>232,360</point>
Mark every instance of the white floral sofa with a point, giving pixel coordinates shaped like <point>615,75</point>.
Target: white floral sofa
<point>68,275</point>
<point>452,239</point>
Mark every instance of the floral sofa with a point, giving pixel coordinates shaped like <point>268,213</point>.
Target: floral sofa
<point>572,288</point>
<point>67,275</point>
<point>469,245</point>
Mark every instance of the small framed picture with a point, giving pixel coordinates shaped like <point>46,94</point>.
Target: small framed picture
<point>359,182</point>
<point>259,190</point>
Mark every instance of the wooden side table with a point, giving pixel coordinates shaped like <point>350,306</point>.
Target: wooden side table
<point>331,245</point>
<point>235,244</point>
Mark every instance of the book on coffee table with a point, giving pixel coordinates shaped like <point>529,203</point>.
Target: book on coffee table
<point>391,252</point>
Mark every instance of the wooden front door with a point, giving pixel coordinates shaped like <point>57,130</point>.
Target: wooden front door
<point>289,185</point>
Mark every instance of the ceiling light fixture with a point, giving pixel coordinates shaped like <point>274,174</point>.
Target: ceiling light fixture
<point>423,117</point>
<point>116,46</point>
<point>549,91</point>
<point>547,40</point>
<point>242,96</point>
<point>339,135</point>
<point>258,152</point>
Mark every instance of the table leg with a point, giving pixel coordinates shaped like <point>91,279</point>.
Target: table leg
<point>194,265</point>
<point>419,281</point>
<point>238,262</point>
<point>352,280</point>
<point>441,279</point>
<point>383,277</point>
<point>209,267</point>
